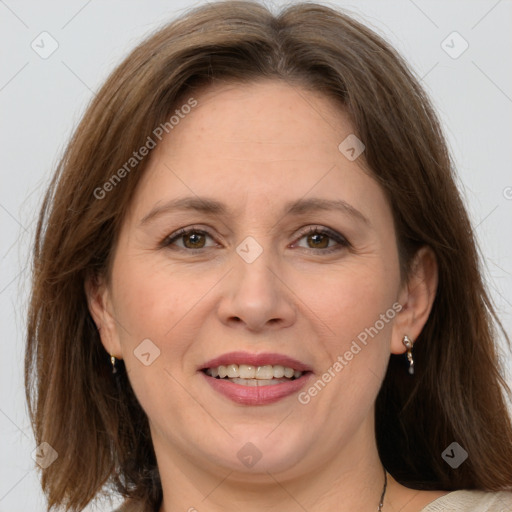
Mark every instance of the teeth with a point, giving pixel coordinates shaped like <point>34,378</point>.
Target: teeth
<point>288,372</point>
<point>232,371</point>
<point>257,382</point>
<point>265,372</point>
<point>246,371</point>
<point>250,374</point>
<point>278,371</point>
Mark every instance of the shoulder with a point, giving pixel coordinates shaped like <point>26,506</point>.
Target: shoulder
<point>472,501</point>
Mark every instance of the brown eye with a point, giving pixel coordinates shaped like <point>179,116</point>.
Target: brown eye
<point>319,239</point>
<point>195,239</point>
<point>189,238</point>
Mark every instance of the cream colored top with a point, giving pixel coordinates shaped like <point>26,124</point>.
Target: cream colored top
<point>471,501</point>
<point>455,501</point>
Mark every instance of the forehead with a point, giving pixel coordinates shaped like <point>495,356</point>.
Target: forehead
<point>267,117</point>
<point>257,144</point>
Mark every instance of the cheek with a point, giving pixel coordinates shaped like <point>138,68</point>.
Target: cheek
<point>355,301</point>
<point>152,299</point>
<point>156,304</point>
<point>358,310</point>
<point>168,306</point>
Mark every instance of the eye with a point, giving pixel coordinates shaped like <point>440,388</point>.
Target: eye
<point>319,239</point>
<point>191,238</point>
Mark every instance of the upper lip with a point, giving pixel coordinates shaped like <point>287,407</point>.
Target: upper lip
<point>262,359</point>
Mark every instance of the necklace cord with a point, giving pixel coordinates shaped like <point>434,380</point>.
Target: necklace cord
<point>381,503</point>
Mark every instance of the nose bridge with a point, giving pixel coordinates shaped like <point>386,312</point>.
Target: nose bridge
<point>256,281</point>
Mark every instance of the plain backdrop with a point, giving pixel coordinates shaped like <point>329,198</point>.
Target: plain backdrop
<point>42,99</point>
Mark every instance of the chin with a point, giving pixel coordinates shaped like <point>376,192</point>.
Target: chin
<point>253,451</point>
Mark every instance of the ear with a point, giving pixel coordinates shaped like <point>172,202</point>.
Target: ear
<point>416,298</point>
<point>100,307</point>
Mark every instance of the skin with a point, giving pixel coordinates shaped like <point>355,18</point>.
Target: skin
<point>255,147</point>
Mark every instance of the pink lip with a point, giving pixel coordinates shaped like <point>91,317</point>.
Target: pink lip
<point>257,395</point>
<point>256,360</point>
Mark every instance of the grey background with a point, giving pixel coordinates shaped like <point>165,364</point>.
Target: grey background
<point>41,101</point>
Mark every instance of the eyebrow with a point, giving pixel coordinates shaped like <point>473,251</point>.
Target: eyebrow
<point>213,207</point>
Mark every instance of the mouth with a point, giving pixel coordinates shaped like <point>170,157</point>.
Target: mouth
<point>255,379</point>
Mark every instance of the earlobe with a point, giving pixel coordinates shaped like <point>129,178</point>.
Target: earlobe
<point>100,307</point>
<point>416,298</point>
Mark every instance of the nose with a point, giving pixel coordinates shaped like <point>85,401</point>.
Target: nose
<point>256,295</point>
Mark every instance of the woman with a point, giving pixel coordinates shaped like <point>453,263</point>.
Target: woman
<point>256,286</point>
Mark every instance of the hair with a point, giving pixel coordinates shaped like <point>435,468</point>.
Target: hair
<point>93,419</point>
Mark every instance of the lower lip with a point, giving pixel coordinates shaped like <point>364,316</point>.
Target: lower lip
<point>257,395</point>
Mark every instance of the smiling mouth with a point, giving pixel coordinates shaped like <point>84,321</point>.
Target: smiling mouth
<point>250,375</point>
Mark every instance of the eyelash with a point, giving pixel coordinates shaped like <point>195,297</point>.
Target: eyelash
<point>342,241</point>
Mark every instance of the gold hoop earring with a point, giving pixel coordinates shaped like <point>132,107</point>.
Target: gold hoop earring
<point>409,344</point>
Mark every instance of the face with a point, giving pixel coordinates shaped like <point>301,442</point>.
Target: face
<point>253,245</point>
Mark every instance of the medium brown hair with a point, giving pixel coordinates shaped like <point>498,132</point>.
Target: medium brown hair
<point>94,420</point>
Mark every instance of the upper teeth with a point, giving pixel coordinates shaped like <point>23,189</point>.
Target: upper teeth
<point>246,371</point>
